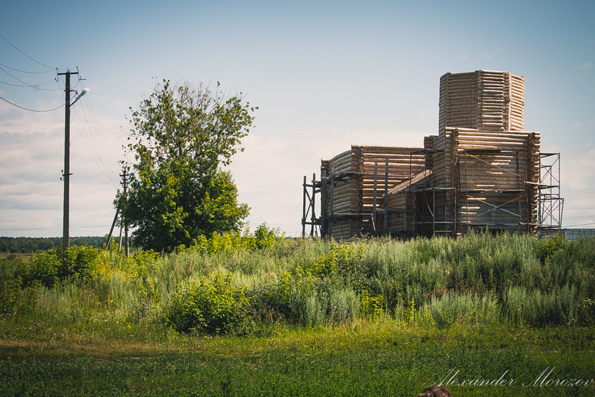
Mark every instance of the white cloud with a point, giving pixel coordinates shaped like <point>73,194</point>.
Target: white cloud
<point>587,66</point>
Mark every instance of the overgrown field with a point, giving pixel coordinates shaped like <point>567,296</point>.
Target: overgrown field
<point>264,315</point>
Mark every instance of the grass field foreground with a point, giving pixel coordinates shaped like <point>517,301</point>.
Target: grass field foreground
<point>235,315</point>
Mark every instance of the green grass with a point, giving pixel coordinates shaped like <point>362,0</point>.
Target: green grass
<point>361,358</point>
<point>365,317</point>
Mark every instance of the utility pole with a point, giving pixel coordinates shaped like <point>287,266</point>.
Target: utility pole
<point>109,236</point>
<point>125,186</point>
<point>66,171</point>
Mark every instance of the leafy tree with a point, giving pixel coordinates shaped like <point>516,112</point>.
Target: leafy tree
<point>180,137</point>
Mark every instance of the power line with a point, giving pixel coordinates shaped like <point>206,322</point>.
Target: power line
<point>24,71</point>
<point>94,143</point>
<point>96,140</point>
<point>24,82</point>
<point>30,110</point>
<point>580,224</point>
<point>29,85</point>
<point>51,228</point>
<point>56,219</point>
<point>34,60</point>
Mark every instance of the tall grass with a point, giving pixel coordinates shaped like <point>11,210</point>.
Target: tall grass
<point>474,280</point>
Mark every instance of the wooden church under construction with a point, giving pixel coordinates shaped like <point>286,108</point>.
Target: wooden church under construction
<point>482,171</point>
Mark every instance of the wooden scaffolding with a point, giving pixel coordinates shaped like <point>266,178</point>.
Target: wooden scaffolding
<point>551,203</point>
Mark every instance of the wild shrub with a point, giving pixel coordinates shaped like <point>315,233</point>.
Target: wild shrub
<point>211,306</point>
<point>371,306</point>
<point>586,311</point>
<point>472,279</point>
<point>323,302</point>
<point>309,299</point>
<point>54,266</point>
<point>10,267</point>
<point>13,299</point>
<point>582,250</point>
<point>524,306</point>
<point>453,307</point>
<point>347,259</point>
<point>551,246</point>
<point>263,238</point>
<point>288,297</point>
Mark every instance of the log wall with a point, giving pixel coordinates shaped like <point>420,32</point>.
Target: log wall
<point>482,100</point>
<point>353,194</point>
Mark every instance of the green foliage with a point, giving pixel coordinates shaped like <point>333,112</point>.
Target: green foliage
<point>452,308</point>
<point>373,306</point>
<point>263,238</point>
<point>14,300</point>
<point>180,138</point>
<point>551,246</point>
<point>366,317</point>
<point>538,308</point>
<point>306,298</point>
<point>212,306</point>
<point>54,266</point>
<point>347,259</point>
<point>475,280</point>
<point>220,243</point>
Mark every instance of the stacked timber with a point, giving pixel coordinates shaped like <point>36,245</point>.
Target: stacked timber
<point>493,175</point>
<point>482,100</point>
<point>517,102</point>
<point>360,179</point>
<point>341,196</point>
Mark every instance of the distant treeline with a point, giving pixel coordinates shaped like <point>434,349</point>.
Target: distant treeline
<point>34,244</point>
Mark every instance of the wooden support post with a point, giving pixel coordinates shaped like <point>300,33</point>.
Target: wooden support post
<point>374,197</point>
<point>385,226</point>
<point>109,236</point>
<point>313,198</point>
<point>323,207</point>
<point>332,211</point>
<point>304,209</point>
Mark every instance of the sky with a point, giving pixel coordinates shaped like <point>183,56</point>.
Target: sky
<point>324,75</point>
